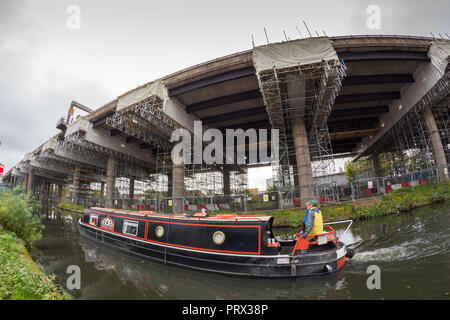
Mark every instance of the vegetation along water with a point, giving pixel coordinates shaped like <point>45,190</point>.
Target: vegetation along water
<point>20,278</point>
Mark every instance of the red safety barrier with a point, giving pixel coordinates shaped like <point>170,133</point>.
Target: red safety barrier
<point>387,189</point>
<point>324,199</point>
<point>371,191</point>
<point>406,185</point>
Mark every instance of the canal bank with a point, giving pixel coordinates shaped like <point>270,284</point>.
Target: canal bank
<point>393,202</point>
<point>20,277</point>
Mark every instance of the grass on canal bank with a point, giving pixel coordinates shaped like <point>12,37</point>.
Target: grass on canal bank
<point>20,277</point>
<point>393,202</point>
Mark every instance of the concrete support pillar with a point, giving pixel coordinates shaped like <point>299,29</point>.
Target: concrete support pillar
<point>169,184</point>
<point>60,192</point>
<point>131,194</point>
<point>110,180</point>
<point>297,101</point>
<point>376,164</point>
<point>50,190</point>
<point>42,190</point>
<point>76,185</point>
<point>102,190</point>
<point>178,188</point>
<point>296,184</point>
<point>436,142</point>
<point>226,182</point>
<point>47,190</point>
<point>304,168</point>
<point>30,182</point>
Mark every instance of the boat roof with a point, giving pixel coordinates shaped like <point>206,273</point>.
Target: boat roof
<point>218,217</point>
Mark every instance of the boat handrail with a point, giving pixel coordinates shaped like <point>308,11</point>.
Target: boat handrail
<point>341,222</point>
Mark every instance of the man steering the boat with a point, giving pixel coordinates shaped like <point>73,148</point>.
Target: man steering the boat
<point>313,222</point>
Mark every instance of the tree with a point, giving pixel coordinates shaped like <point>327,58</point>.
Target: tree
<point>351,171</point>
<point>272,188</point>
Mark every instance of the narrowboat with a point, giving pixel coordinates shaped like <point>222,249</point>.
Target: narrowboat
<point>230,244</point>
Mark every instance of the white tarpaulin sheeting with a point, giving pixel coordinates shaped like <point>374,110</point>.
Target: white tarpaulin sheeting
<point>293,53</point>
<point>155,88</point>
<point>438,53</point>
<point>172,107</point>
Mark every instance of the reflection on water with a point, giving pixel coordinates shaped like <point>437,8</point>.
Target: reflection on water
<point>412,250</point>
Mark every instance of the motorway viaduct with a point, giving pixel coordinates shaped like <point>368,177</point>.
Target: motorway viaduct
<point>386,78</point>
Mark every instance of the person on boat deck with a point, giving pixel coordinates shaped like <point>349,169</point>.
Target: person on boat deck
<point>313,223</point>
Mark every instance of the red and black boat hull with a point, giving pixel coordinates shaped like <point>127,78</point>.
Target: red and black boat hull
<point>188,243</point>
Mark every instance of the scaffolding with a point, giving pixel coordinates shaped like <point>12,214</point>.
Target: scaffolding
<point>442,115</point>
<point>323,82</point>
<point>132,176</point>
<point>406,149</point>
<point>137,184</point>
<point>145,121</point>
<point>203,183</point>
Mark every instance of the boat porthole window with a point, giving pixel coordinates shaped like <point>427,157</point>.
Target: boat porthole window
<point>218,237</point>
<point>159,231</point>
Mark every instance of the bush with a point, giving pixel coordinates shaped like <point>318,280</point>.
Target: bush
<point>16,215</point>
<point>404,199</point>
<point>20,278</point>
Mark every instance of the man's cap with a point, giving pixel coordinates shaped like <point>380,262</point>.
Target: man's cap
<point>312,202</point>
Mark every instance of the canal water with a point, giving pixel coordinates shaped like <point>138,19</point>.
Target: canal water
<point>411,249</point>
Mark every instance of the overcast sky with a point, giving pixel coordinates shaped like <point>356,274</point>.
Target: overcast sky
<point>44,65</point>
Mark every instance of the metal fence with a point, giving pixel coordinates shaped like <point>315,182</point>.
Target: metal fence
<point>267,201</point>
